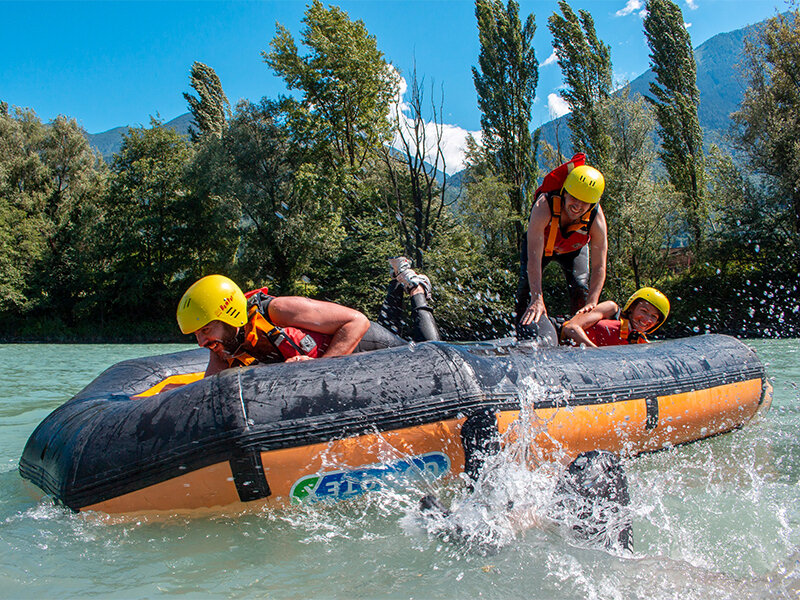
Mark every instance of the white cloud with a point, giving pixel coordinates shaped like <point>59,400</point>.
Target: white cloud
<point>557,106</point>
<point>620,80</point>
<point>453,139</point>
<point>552,59</point>
<point>692,4</point>
<point>631,6</point>
<point>687,25</point>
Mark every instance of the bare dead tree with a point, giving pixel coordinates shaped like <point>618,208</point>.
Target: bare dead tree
<point>416,165</point>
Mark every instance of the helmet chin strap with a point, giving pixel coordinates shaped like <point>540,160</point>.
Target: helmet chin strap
<point>233,344</point>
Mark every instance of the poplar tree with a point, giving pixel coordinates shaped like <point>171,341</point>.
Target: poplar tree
<point>505,80</point>
<point>769,120</point>
<point>675,98</point>
<point>346,85</point>
<point>585,62</point>
<point>210,109</point>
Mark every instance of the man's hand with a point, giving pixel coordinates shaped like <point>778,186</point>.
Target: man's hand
<point>534,311</point>
<point>589,307</point>
<point>298,358</point>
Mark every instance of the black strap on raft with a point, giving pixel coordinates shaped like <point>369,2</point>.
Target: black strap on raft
<point>652,413</point>
<point>248,475</point>
<point>480,439</point>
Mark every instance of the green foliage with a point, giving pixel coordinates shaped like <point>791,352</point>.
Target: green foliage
<point>142,237</point>
<point>346,84</point>
<point>66,273</point>
<point>675,98</point>
<point>210,233</point>
<point>585,62</point>
<point>506,81</point>
<point>769,122</point>
<point>640,208</point>
<point>50,185</point>
<point>485,209</point>
<point>25,184</point>
<point>290,222</point>
<point>304,194</point>
<point>210,109</point>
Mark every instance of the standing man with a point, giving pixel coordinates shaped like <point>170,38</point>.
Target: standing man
<point>566,225</point>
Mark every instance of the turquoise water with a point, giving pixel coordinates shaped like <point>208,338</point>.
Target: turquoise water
<point>715,519</point>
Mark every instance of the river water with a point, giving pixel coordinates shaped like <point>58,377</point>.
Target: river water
<point>716,519</point>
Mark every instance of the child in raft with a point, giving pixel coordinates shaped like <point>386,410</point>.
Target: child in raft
<point>607,325</point>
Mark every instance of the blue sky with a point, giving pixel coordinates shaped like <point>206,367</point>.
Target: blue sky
<point>108,64</point>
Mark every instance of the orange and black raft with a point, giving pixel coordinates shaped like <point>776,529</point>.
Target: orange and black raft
<point>151,434</point>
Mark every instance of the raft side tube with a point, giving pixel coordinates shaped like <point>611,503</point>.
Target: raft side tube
<point>92,450</point>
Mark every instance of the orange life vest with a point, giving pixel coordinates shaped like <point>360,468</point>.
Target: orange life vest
<point>282,342</point>
<point>576,235</point>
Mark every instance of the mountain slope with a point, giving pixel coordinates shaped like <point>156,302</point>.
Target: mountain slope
<point>719,80</point>
<point>109,142</point>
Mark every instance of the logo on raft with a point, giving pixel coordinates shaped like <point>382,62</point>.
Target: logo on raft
<point>344,484</point>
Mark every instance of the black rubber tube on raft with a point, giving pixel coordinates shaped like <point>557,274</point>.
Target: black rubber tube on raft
<point>103,443</point>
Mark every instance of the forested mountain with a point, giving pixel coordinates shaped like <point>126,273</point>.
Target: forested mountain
<point>108,142</point>
<point>718,79</point>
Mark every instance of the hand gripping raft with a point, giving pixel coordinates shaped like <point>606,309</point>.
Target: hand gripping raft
<point>335,428</point>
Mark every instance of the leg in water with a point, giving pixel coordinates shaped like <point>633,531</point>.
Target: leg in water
<point>589,500</point>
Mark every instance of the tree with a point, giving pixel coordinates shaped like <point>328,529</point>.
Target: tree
<point>675,98</point>
<point>346,84</point>
<point>414,165</point>
<point>210,109</point>
<point>145,224</point>
<point>210,234</point>
<point>487,211</point>
<point>639,207</point>
<point>769,120</point>
<point>290,222</point>
<point>24,187</point>
<point>72,210</point>
<point>585,62</point>
<point>506,81</point>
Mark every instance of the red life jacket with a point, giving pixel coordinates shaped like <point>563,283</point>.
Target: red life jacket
<point>576,235</point>
<point>283,342</point>
<point>613,332</point>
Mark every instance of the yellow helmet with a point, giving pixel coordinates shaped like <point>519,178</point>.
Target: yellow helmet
<point>212,298</point>
<point>654,297</point>
<point>585,183</point>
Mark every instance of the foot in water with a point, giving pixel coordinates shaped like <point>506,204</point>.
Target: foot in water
<point>590,499</point>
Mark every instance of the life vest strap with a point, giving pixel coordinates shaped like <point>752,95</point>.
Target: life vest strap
<point>628,335</point>
<point>275,334</point>
<point>555,223</point>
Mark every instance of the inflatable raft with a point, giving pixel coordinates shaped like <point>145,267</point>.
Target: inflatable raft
<point>152,434</point>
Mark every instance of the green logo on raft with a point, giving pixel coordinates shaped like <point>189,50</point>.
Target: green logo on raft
<point>340,485</point>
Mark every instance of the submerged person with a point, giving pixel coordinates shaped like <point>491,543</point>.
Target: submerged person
<point>607,325</point>
<point>244,329</point>
<point>590,500</point>
<point>566,222</point>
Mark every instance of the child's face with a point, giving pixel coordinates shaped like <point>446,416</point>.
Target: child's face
<point>644,316</point>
